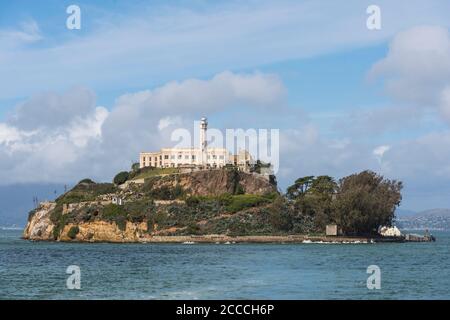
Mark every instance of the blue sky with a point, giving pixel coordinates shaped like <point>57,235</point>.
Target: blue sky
<point>84,102</point>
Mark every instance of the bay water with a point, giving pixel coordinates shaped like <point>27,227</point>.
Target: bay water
<point>37,270</point>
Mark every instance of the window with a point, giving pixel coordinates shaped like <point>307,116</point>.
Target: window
<point>193,157</point>
<point>221,157</point>
<point>166,156</point>
<point>172,157</point>
<point>186,157</point>
<point>180,156</point>
<point>209,157</point>
<point>214,157</point>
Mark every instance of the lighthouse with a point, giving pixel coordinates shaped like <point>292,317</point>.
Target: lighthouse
<point>203,143</point>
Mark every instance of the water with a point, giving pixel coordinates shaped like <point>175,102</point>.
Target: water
<point>36,270</point>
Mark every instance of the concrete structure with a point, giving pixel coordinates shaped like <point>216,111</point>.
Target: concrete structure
<point>331,230</point>
<point>202,157</point>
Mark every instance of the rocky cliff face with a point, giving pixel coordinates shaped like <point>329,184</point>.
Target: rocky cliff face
<point>217,182</point>
<point>39,226</point>
<point>151,208</point>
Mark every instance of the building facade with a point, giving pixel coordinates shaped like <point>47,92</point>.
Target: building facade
<point>202,157</point>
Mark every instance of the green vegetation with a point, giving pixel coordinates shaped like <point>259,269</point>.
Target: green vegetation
<point>58,219</point>
<point>166,193</point>
<point>115,213</point>
<point>121,177</point>
<point>135,167</point>
<point>86,191</point>
<point>87,180</point>
<point>358,203</point>
<point>312,197</point>
<point>245,201</point>
<point>234,179</point>
<point>73,231</point>
<point>365,201</point>
<point>149,172</point>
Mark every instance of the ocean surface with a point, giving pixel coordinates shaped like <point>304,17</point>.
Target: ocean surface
<point>37,270</point>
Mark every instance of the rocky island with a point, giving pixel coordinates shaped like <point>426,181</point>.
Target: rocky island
<point>216,205</point>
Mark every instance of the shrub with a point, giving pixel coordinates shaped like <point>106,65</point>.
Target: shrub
<point>192,228</point>
<point>240,202</point>
<point>121,177</point>
<point>58,219</point>
<point>158,218</point>
<point>239,189</point>
<point>192,201</point>
<point>121,222</point>
<point>84,191</point>
<point>112,211</point>
<point>135,166</point>
<point>86,181</point>
<point>115,213</point>
<point>166,192</point>
<point>73,231</point>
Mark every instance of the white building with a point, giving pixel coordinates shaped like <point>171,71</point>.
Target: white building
<point>202,157</point>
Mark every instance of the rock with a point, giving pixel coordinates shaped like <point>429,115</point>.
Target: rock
<point>216,182</point>
<point>390,232</point>
<point>39,225</point>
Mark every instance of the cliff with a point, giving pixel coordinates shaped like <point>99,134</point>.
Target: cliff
<point>153,204</point>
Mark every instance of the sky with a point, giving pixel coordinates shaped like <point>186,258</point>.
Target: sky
<point>84,103</point>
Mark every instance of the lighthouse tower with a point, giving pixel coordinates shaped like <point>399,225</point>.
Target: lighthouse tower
<point>203,143</point>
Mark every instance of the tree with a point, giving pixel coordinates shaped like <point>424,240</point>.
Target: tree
<point>299,188</point>
<point>121,177</point>
<point>364,201</point>
<point>312,198</point>
<point>86,181</point>
<point>135,166</point>
<point>323,186</point>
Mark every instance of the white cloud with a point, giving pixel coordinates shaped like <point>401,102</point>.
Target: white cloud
<point>416,69</point>
<point>49,136</point>
<point>29,32</point>
<point>158,44</point>
<point>9,134</point>
<point>63,137</point>
<point>168,121</point>
<point>379,152</point>
<point>225,89</point>
<point>81,130</point>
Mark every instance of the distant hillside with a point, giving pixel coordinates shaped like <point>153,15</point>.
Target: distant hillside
<point>432,219</point>
<point>404,213</point>
<point>442,212</point>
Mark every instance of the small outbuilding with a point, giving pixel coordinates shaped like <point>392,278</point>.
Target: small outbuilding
<point>331,230</point>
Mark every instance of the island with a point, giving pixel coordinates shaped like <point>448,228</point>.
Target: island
<point>221,205</point>
<point>207,194</point>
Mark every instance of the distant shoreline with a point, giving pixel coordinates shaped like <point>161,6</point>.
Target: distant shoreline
<point>222,239</point>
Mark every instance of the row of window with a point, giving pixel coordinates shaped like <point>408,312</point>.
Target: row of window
<point>186,157</point>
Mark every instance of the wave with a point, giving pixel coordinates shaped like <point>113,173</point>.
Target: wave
<point>10,228</point>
